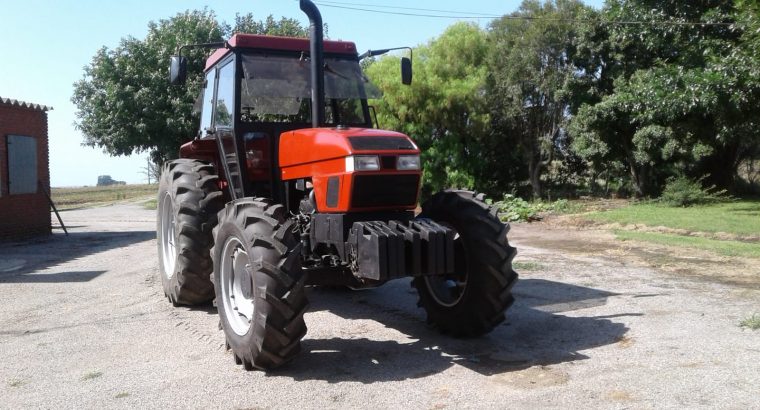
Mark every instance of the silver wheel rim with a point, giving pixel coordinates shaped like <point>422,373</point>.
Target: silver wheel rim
<point>236,286</point>
<point>168,236</point>
<point>448,290</point>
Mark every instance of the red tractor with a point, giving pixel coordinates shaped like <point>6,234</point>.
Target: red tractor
<point>288,184</point>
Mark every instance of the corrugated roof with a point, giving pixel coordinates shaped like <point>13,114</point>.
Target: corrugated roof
<point>22,104</point>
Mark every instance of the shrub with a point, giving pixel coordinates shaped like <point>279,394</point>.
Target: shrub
<point>514,209</point>
<point>751,322</point>
<point>683,192</point>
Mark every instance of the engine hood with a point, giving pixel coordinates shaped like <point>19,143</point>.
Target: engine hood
<point>311,145</point>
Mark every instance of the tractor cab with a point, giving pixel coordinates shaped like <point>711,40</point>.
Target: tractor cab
<point>257,113</point>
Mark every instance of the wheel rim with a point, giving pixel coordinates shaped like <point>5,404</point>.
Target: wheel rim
<point>448,290</point>
<point>168,236</point>
<point>236,286</point>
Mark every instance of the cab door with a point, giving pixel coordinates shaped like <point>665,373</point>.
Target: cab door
<point>224,126</point>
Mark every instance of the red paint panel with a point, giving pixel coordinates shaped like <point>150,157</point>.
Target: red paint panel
<point>215,57</point>
<point>289,43</point>
<point>279,43</point>
<point>319,144</point>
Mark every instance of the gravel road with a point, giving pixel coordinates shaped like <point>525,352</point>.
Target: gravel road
<point>84,324</point>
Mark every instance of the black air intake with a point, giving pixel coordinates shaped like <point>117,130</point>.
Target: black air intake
<point>316,37</point>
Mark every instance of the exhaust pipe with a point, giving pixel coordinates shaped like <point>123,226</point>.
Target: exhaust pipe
<point>316,37</point>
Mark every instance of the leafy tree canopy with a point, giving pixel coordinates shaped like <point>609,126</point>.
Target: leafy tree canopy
<point>671,98</point>
<point>124,100</point>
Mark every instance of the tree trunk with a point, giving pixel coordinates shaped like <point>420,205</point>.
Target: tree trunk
<point>534,170</point>
<point>636,177</point>
<point>722,167</point>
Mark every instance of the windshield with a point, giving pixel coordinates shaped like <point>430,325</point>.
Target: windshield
<point>278,89</point>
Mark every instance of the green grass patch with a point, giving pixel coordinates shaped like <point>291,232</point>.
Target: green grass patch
<point>70,198</point>
<point>737,217</point>
<point>528,266</point>
<point>92,375</point>
<point>727,248</point>
<point>752,322</point>
<point>151,204</point>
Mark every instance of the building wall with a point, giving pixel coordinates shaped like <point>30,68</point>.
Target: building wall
<point>26,214</point>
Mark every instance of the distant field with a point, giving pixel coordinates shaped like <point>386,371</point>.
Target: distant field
<point>70,198</point>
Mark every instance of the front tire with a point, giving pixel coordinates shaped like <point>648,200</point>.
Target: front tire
<point>259,283</point>
<point>188,201</point>
<point>472,301</point>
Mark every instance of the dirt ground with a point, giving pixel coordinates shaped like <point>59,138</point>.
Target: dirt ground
<point>597,323</point>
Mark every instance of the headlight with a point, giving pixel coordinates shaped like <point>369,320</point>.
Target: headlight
<point>362,163</point>
<point>408,163</point>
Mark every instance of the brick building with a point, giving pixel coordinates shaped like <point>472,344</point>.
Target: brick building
<point>24,169</point>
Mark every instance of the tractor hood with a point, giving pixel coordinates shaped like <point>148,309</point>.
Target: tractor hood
<point>301,147</point>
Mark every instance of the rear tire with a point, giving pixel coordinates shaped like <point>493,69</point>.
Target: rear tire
<point>188,201</point>
<point>259,283</point>
<point>472,301</point>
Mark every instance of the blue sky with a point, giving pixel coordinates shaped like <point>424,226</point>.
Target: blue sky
<point>47,43</point>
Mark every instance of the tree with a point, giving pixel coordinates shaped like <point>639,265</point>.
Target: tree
<point>530,63</point>
<point>152,171</point>
<point>125,102</point>
<point>668,99</point>
<point>444,109</point>
<point>284,27</point>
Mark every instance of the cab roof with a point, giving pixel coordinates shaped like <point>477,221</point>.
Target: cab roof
<point>256,41</point>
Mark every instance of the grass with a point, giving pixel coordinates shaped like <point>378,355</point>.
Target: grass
<point>751,322</point>
<point>122,395</point>
<point>92,375</point>
<point>741,217</point>
<point>151,204</point>
<point>70,198</point>
<point>727,248</point>
<point>527,266</point>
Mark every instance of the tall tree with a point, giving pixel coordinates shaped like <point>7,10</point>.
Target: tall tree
<point>529,65</point>
<point>124,100</point>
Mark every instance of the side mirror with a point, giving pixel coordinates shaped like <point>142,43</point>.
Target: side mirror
<point>178,70</point>
<point>406,71</point>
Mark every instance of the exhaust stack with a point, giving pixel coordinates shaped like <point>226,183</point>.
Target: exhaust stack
<point>316,37</point>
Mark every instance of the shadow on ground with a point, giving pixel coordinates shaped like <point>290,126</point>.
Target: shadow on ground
<point>59,277</point>
<point>23,261</point>
<point>536,333</point>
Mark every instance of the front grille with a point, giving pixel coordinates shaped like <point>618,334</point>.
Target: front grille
<point>381,143</point>
<point>384,190</point>
<point>388,161</point>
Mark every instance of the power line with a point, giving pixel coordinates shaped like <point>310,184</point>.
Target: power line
<point>472,15</point>
<point>380,6</point>
<point>398,13</point>
<point>619,22</point>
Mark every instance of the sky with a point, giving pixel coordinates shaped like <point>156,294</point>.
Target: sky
<point>46,44</point>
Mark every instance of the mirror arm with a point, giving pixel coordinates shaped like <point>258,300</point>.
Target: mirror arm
<point>218,44</point>
<point>372,53</point>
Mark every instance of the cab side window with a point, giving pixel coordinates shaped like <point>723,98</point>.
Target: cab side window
<point>225,97</point>
<point>208,104</point>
